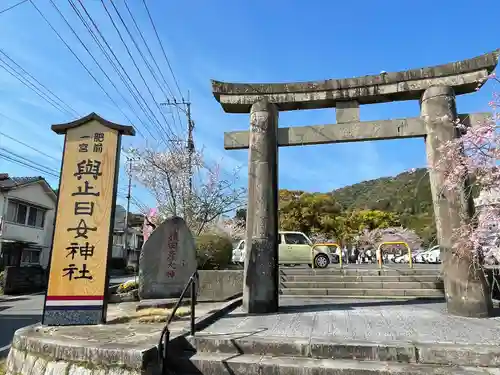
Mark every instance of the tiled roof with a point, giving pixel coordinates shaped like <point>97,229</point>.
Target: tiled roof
<point>12,182</point>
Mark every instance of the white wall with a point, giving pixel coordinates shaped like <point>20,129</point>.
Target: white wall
<point>35,194</point>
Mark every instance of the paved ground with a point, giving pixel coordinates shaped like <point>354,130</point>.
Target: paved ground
<point>17,312</point>
<point>368,321</point>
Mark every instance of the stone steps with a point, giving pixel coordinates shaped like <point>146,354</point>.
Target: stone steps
<point>359,271</point>
<point>343,292</point>
<point>361,285</point>
<point>360,278</point>
<point>242,354</point>
<point>223,364</point>
<point>353,282</point>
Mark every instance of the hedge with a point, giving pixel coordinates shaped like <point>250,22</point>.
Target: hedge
<point>213,251</point>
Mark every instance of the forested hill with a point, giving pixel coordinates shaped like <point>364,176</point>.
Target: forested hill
<point>407,194</point>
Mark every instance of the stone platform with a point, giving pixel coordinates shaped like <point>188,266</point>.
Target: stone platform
<point>343,337</point>
<point>111,349</point>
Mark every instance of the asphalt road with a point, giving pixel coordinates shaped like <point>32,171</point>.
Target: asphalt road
<point>17,312</point>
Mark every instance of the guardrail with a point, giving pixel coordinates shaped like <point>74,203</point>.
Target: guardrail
<point>328,244</point>
<point>379,252</point>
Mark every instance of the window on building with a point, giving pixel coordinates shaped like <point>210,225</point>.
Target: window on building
<point>25,214</point>
<point>117,239</point>
<point>22,213</point>
<point>31,256</point>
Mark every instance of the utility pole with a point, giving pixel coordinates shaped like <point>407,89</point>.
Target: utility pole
<point>190,143</point>
<point>125,224</point>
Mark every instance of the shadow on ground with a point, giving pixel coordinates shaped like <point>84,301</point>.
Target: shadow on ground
<point>10,324</point>
<point>12,299</point>
<point>291,307</point>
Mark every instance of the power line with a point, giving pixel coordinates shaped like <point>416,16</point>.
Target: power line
<point>132,57</point>
<point>80,61</point>
<point>165,82</point>
<point>9,69</point>
<point>38,82</point>
<point>30,147</point>
<point>149,50</point>
<point>113,65</point>
<point>27,163</point>
<point>30,161</point>
<point>136,95</point>
<point>13,6</point>
<point>91,55</point>
<point>162,49</point>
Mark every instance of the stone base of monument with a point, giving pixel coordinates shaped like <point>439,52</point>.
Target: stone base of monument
<point>112,349</point>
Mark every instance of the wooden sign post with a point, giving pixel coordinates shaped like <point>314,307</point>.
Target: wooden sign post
<point>82,243</point>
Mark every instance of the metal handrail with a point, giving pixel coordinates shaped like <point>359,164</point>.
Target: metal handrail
<point>165,333</point>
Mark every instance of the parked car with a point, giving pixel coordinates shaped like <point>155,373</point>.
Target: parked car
<point>433,255</point>
<point>418,256</point>
<point>428,253</point>
<point>402,259</point>
<point>295,248</point>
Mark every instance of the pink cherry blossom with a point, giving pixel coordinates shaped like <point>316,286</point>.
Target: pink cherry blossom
<point>200,197</point>
<point>474,158</point>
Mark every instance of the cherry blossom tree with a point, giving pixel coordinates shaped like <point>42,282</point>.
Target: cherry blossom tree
<point>200,201</point>
<point>233,228</point>
<point>373,238</point>
<point>469,164</point>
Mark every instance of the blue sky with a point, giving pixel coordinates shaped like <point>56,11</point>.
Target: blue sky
<point>242,41</point>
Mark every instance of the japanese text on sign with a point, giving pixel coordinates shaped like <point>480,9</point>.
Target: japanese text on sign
<point>87,170</point>
<point>173,242</point>
<point>84,215</point>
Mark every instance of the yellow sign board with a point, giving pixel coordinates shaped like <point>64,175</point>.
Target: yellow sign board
<point>83,228</point>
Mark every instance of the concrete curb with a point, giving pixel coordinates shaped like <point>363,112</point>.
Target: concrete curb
<point>404,352</point>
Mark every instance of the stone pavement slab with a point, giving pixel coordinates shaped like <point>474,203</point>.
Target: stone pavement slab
<point>362,321</point>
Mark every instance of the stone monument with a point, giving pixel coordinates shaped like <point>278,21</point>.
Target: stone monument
<point>167,261</point>
<point>434,87</point>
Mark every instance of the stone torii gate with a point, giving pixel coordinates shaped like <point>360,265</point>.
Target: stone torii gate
<point>434,87</point>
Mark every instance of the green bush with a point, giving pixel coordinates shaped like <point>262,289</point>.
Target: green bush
<point>213,251</point>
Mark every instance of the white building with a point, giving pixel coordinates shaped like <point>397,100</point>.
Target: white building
<point>27,212</point>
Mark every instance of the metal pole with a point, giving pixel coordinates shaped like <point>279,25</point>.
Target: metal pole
<point>190,147</point>
<point>125,224</point>
<point>193,304</point>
